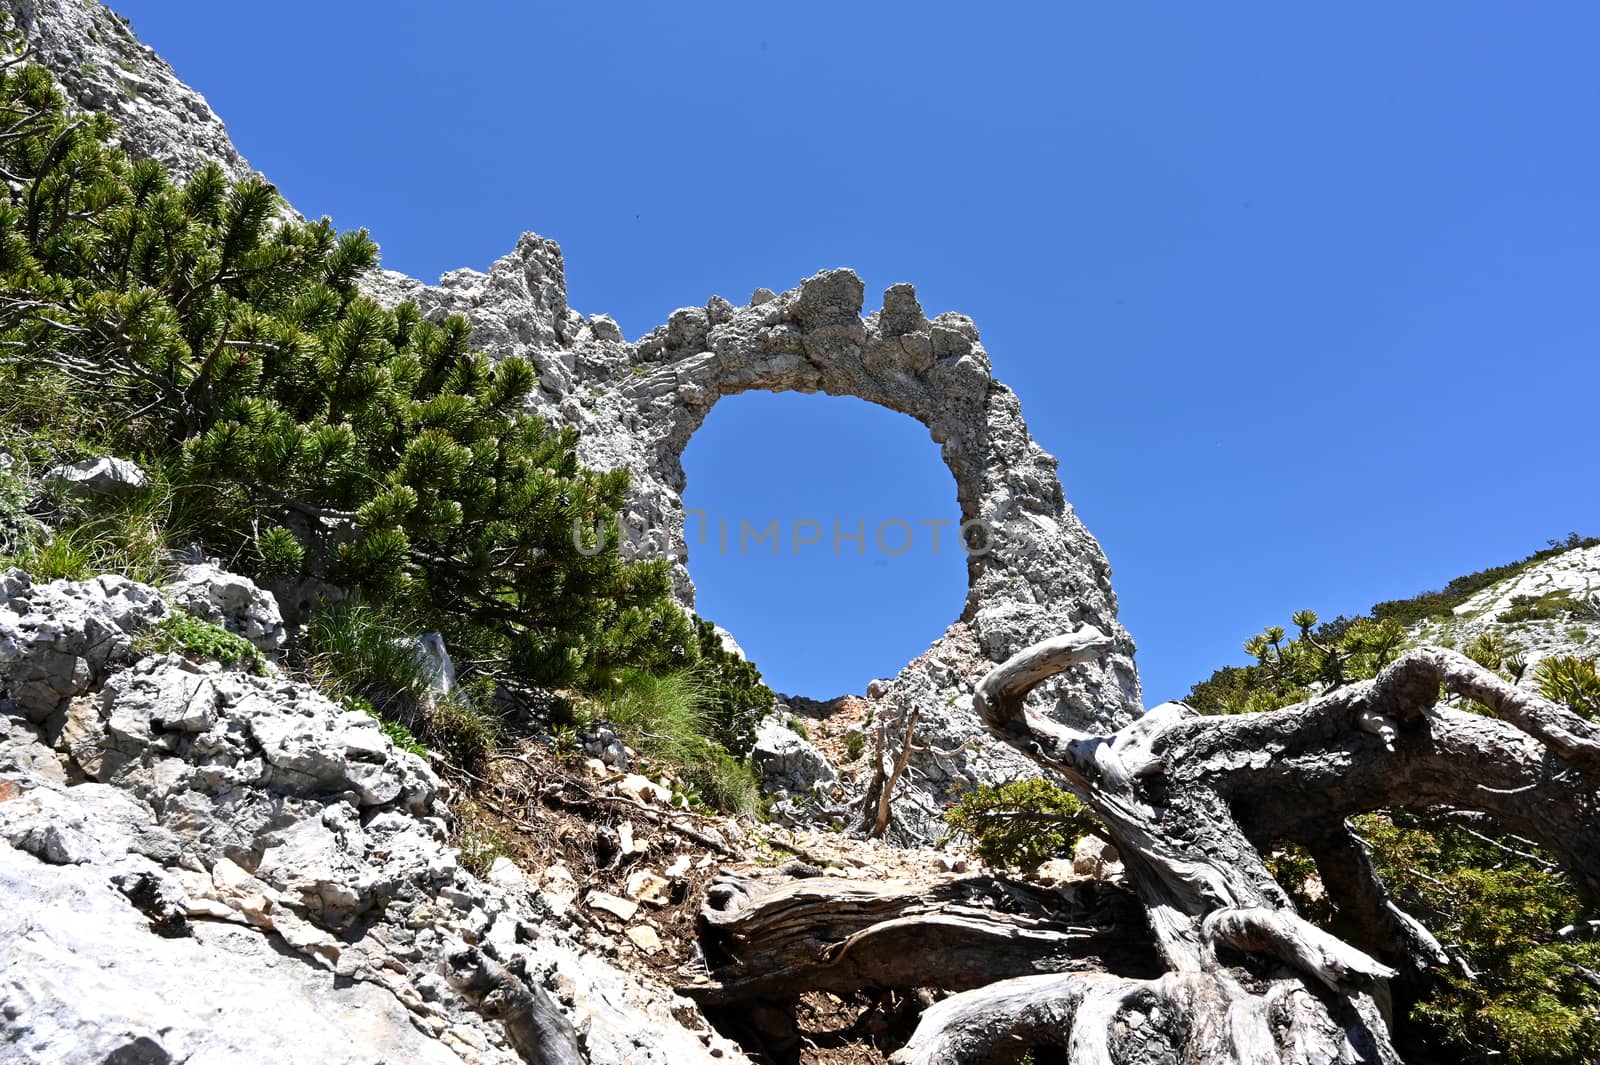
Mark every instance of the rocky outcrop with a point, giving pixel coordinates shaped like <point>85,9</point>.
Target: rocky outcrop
<point>233,601</point>
<point>785,761</point>
<point>196,861</point>
<point>103,67</point>
<point>56,640</point>
<point>1566,584</point>
<point>1034,570</point>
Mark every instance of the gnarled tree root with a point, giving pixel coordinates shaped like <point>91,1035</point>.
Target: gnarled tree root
<point>1192,803</point>
<point>1099,1018</point>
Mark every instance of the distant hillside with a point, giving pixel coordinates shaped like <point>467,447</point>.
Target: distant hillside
<point>1545,604</point>
<point>1548,604</point>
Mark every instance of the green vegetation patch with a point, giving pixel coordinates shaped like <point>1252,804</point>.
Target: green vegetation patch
<point>1497,902</point>
<point>1022,823</point>
<point>201,641</point>
<point>1440,604</point>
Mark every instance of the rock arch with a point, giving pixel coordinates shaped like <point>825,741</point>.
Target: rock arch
<point>638,404</point>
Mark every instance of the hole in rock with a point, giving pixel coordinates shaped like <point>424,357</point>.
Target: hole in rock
<point>819,552</point>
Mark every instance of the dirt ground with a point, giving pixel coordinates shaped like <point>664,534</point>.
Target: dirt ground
<point>574,829</point>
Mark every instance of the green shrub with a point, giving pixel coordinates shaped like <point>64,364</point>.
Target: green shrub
<point>465,734</point>
<point>736,700</point>
<point>358,653</point>
<point>799,728</point>
<point>1572,680</point>
<point>667,717</point>
<point>201,640</point>
<point>1288,670</point>
<point>62,555</point>
<point>1022,823</point>
<point>357,650</point>
<point>1501,910</point>
<point>1499,907</point>
<point>1540,607</point>
<point>17,526</point>
<point>721,781</point>
<point>854,744</point>
<point>480,844</point>
<point>1440,604</point>
<point>660,715</point>
<point>315,433</point>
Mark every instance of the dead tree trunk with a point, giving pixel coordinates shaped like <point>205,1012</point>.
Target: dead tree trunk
<point>777,938</point>
<point>1191,803</point>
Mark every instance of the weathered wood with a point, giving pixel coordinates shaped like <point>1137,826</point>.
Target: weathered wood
<point>778,938</point>
<point>1191,803</point>
<point>1100,1018</point>
<point>1409,686</point>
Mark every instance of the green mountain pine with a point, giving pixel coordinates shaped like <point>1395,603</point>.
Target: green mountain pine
<point>322,437</point>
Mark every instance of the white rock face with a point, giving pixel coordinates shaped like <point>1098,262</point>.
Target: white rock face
<point>637,405</point>
<point>57,639</point>
<point>103,67</point>
<point>785,761</point>
<point>195,862</point>
<point>83,980</point>
<point>1575,572</point>
<point>233,601</point>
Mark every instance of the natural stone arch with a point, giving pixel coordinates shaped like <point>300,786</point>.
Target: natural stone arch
<point>1043,570</point>
<point>840,510</point>
<point>637,405</point>
<point>810,340</point>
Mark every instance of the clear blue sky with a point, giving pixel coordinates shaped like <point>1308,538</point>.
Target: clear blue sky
<point>1306,297</point>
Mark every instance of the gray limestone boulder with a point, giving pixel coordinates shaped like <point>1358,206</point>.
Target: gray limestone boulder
<point>105,477</point>
<point>787,762</point>
<point>195,861</point>
<point>230,600</point>
<point>103,67</point>
<point>57,639</point>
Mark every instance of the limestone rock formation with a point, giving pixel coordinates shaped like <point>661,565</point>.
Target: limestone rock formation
<point>785,761</point>
<point>231,600</point>
<point>105,476</point>
<point>56,640</point>
<point>1038,572</point>
<point>103,67</point>
<point>1034,568</point>
<point>195,861</point>
<point>1569,582</point>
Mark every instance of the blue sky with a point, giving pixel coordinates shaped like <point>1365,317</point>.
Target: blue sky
<point>1305,297</point>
